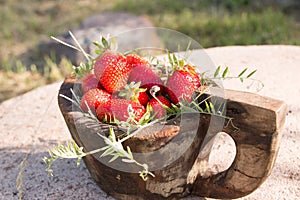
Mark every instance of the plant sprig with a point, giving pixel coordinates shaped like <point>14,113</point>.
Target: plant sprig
<point>225,75</point>
<point>174,61</point>
<point>61,151</point>
<point>83,68</point>
<point>105,44</point>
<point>114,148</point>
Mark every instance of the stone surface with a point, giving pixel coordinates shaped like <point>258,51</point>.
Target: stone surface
<point>30,124</point>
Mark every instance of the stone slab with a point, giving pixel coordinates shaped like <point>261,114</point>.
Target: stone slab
<point>31,123</point>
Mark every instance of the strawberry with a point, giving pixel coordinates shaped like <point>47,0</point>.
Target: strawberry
<point>193,77</point>
<point>119,109</point>
<point>106,58</point>
<point>157,107</point>
<point>146,76</point>
<point>115,75</point>
<point>90,82</point>
<point>133,92</point>
<point>182,84</point>
<point>135,60</point>
<point>93,98</point>
<point>142,98</point>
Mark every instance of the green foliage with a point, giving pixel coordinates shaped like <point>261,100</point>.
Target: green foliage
<point>232,29</point>
<point>220,23</point>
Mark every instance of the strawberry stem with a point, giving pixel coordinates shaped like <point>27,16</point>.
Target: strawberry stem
<point>153,92</point>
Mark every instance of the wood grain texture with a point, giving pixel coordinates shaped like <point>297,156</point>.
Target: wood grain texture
<point>259,119</point>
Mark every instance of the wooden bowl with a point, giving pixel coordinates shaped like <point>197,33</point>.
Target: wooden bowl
<point>172,149</point>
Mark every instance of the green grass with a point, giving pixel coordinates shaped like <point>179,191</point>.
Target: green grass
<point>22,79</point>
<point>237,29</point>
<point>25,23</point>
<point>231,23</point>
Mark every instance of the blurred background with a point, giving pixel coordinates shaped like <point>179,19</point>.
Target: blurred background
<point>25,24</point>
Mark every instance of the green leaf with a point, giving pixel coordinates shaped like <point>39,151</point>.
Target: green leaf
<point>253,72</point>
<point>202,81</point>
<point>212,107</point>
<point>217,71</point>
<point>105,43</point>
<point>188,46</point>
<point>113,158</point>
<point>76,70</point>
<point>207,107</point>
<point>170,58</point>
<point>241,74</point>
<point>78,161</point>
<point>175,59</point>
<point>108,151</point>
<point>104,148</point>
<point>98,52</point>
<point>97,45</point>
<point>225,72</point>
<point>129,151</point>
<point>113,44</point>
<point>181,62</point>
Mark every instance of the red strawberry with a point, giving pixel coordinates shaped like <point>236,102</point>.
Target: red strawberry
<point>146,76</point>
<point>93,98</point>
<point>115,75</point>
<point>157,108</point>
<point>135,60</point>
<point>101,63</point>
<point>119,109</point>
<point>182,84</point>
<point>133,92</point>
<point>143,98</point>
<point>90,82</point>
<point>193,77</point>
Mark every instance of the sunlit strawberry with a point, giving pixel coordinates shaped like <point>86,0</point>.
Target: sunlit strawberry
<point>136,60</point>
<point>115,75</point>
<point>93,98</point>
<point>146,76</point>
<point>120,109</point>
<point>182,84</point>
<point>102,61</point>
<point>90,82</point>
<point>157,106</point>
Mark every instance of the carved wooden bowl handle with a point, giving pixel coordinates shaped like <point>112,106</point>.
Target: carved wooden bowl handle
<point>260,121</point>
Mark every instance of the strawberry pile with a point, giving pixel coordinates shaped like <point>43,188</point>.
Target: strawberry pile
<point>126,88</point>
